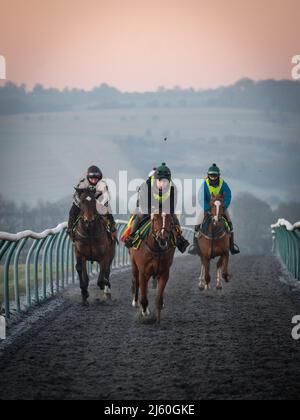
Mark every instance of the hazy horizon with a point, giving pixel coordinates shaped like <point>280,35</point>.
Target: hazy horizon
<point>157,89</point>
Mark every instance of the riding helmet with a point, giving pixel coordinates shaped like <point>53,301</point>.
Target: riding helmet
<point>163,172</point>
<point>214,170</point>
<point>94,172</point>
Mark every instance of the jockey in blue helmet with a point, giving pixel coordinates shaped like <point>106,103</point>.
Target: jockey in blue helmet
<point>216,185</point>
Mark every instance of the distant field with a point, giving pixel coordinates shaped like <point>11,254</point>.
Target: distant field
<point>258,151</point>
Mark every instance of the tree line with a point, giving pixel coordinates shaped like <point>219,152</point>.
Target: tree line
<point>267,95</point>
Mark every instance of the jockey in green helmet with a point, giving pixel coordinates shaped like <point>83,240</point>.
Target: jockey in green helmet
<point>215,184</point>
<point>158,194</point>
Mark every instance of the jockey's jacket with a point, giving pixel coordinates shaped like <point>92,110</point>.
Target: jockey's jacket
<point>151,199</point>
<point>102,195</point>
<point>222,188</point>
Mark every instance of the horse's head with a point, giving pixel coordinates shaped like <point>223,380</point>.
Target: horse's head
<point>87,204</point>
<point>217,207</point>
<point>161,229</point>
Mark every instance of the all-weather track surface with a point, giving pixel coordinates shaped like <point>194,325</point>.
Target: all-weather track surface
<point>233,344</point>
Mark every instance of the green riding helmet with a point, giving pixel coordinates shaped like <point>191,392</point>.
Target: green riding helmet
<point>163,172</point>
<point>214,170</point>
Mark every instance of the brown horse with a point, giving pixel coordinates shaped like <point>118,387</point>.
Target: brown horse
<point>154,258</point>
<point>214,243</point>
<point>92,243</point>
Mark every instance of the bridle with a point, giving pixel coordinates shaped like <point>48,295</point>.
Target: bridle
<point>87,222</point>
<point>157,235</point>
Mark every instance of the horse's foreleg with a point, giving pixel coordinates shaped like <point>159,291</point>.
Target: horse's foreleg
<point>206,263</point>
<point>144,298</point>
<point>135,285</point>
<point>219,273</point>
<point>161,285</point>
<point>103,281</point>
<point>84,281</point>
<point>226,276</point>
<point>202,277</point>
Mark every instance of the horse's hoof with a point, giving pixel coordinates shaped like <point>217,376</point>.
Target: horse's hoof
<point>85,303</point>
<point>147,313</point>
<point>107,290</point>
<point>219,287</point>
<point>201,287</point>
<point>135,304</point>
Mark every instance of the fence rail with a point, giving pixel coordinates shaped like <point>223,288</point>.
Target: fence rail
<point>286,244</point>
<point>36,266</point>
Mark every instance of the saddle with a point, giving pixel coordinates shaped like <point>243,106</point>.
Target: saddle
<point>204,229</point>
<point>103,219</point>
<point>142,233</point>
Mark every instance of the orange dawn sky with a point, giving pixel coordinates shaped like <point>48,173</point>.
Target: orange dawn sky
<point>138,45</point>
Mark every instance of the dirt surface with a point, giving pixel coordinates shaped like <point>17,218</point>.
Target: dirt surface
<point>233,344</point>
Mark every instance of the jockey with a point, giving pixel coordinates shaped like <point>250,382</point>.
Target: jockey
<point>214,184</point>
<point>94,180</point>
<point>158,194</point>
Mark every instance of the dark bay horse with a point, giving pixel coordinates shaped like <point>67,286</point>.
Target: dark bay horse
<point>154,258</point>
<point>214,243</point>
<point>92,243</point>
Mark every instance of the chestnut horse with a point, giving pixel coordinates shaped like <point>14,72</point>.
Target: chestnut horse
<point>92,243</point>
<point>214,243</point>
<point>154,258</point>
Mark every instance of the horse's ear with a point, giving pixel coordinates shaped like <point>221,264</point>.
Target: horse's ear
<point>80,190</point>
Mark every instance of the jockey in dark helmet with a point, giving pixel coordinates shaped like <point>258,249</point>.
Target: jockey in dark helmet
<point>214,184</point>
<point>158,194</point>
<point>94,180</point>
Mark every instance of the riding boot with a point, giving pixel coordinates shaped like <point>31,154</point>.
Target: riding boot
<point>181,243</point>
<point>112,226</point>
<point>194,248</point>
<point>73,217</point>
<point>234,249</point>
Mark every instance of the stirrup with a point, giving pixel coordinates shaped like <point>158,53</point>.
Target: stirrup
<point>182,244</point>
<point>235,250</point>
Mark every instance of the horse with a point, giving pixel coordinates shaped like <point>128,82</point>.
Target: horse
<point>214,243</point>
<point>92,242</point>
<point>154,258</point>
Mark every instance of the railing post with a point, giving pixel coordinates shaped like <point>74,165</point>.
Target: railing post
<point>11,251</point>
<point>16,273</point>
<point>49,242</point>
<point>58,252</point>
<point>62,257</point>
<point>36,269</point>
<point>27,276</point>
<point>51,251</point>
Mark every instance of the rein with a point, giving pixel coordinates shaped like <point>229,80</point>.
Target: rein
<point>85,234</point>
<point>158,254</point>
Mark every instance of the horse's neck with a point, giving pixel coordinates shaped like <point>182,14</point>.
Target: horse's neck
<point>96,227</point>
<point>213,228</point>
<point>150,239</point>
